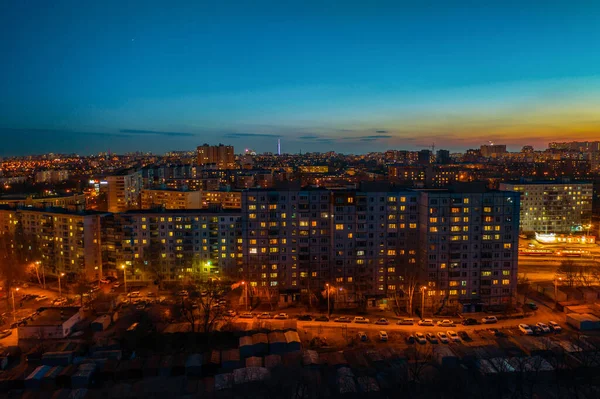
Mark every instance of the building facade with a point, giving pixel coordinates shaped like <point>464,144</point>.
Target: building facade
<point>123,191</point>
<point>70,241</point>
<point>171,199</point>
<point>221,156</point>
<point>553,206</point>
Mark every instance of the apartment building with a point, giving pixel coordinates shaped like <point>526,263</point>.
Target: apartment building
<point>70,241</point>
<point>178,244</point>
<point>224,199</point>
<point>220,156</point>
<point>170,199</point>
<point>553,206</point>
<point>469,248</point>
<point>123,191</point>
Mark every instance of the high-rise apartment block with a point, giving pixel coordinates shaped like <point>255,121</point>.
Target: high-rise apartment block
<point>123,191</point>
<point>220,156</point>
<point>365,244</point>
<point>70,241</point>
<point>492,150</point>
<point>553,206</point>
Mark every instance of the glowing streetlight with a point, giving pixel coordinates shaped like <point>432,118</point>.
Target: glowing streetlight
<point>245,294</point>
<point>328,307</point>
<point>423,289</point>
<point>556,280</point>
<point>59,286</point>
<point>13,301</point>
<point>124,277</point>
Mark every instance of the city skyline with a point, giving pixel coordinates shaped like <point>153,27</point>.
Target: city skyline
<point>350,79</point>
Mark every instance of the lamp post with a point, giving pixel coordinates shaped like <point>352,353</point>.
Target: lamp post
<point>328,308</point>
<point>13,300</point>
<point>59,286</point>
<point>124,276</point>
<point>245,295</point>
<point>556,290</point>
<point>423,289</point>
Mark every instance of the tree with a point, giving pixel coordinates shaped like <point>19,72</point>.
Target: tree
<point>81,287</point>
<point>410,282</point>
<point>17,251</point>
<point>568,271</point>
<point>152,261</point>
<point>201,308</point>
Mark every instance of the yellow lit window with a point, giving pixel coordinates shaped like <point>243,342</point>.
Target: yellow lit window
<point>339,227</point>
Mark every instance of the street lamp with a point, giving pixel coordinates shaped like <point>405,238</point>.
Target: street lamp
<point>59,286</point>
<point>423,289</point>
<point>328,308</point>
<point>245,294</point>
<point>124,277</point>
<point>14,310</point>
<point>556,280</point>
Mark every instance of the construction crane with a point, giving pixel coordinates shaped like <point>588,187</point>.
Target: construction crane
<point>431,147</point>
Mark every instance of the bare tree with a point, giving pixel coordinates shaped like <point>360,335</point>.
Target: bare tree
<point>81,287</point>
<point>201,308</point>
<point>568,271</point>
<point>152,261</point>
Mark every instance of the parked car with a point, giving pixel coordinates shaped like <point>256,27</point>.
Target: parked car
<point>230,313</point>
<point>544,327</point>
<point>117,284</point>
<point>59,301</point>
<point>431,338</point>
<point>265,315</point>
<point>489,320</point>
<point>536,330</point>
<point>420,338</point>
<point>246,315</point>
<point>445,323</point>
<point>361,320</point>
<point>525,329</point>
<point>453,336</point>
<point>406,322</point>
<point>382,321</point>
<point>470,322</point>
<point>281,316</point>
<point>141,306</point>
<point>342,319</point>
<point>464,336</point>
<point>25,285</point>
<point>410,339</point>
<point>322,318</point>
<point>41,298</point>
<point>443,337</point>
<point>532,306</point>
<point>383,336</point>
<point>105,281</point>
<point>304,317</point>
<point>5,333</point>
<point>151,295</point>
<point>182,293</point>
<point>555,326</point>
<point>425,322</point>
<point>133,294</point>
<point>362,336</point>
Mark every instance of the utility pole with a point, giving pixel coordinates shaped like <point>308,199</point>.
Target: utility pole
<point>556,290</point>
<point>13,301</point>
<point>423,289</point>
<point>328,307</point>
<point>59,286</point>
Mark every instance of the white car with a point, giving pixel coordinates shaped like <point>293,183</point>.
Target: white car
<point>555,327</point>
<point>443,337</point>
<point>425,322</point>
<point>41,298</point>
<point>420,337</point>
<point>489,320</point>
<point>265,315</point>
<point>544,327</point>
<point>246,315</point>
<point>453,336</point>
<point>525,329</point>
<point>281,316</point>
<point>105,281</point>
<point>361,320</point>
<point>383,336</point>
<point>445,323</point>
<point>117,284</point>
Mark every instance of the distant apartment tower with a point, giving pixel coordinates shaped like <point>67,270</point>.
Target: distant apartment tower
<point>443,157</point>
<point>469,244</point>
<point>492,150</point>
<point>171,199</point>
<point>123,191</point>
<point>70,241</point>
<point>51,176</point>
<point>553,206</point>
<point>221,156</point>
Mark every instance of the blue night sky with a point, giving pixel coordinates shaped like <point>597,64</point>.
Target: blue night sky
<point>87,76</point>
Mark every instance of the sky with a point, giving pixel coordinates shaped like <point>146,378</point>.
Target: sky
<point>343,76</point>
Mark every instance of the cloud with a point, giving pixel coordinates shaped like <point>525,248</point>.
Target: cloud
<point>381,131</point>
<point>156,133</point>
<point>243,135</point>
<point>309,137</point>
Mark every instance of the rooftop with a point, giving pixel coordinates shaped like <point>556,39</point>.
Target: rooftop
<point>53,316</point>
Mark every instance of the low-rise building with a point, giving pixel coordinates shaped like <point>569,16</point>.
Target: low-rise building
<point>51,323</point>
